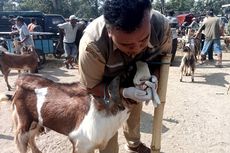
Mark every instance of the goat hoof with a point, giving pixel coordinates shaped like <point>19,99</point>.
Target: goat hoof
<point>9,88</point>
<point>180,80</point>
<point>192,80</point>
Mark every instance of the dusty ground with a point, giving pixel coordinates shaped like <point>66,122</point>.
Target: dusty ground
<point>196,116</point>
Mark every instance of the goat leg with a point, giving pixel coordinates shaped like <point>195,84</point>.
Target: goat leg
<point>192,74</point>
<point>34,130</point>
<point>71,60</point>
<point>181,73</point>
<point>6,79</point>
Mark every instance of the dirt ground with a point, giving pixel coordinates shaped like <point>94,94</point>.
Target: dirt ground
<point>196,116</point>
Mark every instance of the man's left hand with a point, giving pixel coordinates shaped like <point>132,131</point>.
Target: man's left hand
<point>153,84</point>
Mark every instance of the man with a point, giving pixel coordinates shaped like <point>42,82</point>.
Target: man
<point>212,30</point>
<point>70,30</point>
<point>33,26</point>
<point>128,31</point>
<point>194,25</point>
<point>174,26</point>
<point>24,34</point>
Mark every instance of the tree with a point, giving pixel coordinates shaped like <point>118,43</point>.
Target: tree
<point>45,6</point>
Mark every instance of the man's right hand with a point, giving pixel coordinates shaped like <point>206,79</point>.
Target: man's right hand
<point>137,95</point>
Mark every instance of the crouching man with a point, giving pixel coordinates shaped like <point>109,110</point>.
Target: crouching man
<point>128,31</point>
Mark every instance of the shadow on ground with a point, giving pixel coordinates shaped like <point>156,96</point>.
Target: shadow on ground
<point>6,137</point>
<point>148,118</point>
<point>214,79</point>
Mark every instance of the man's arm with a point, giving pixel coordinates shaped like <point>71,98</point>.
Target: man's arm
<point>165,46</point>
<point>200,30</point>
<point>22,41</point>
<point>91,66</point>
<point>26,32</point>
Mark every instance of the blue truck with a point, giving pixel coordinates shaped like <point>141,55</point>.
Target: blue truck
<point>46,40</point>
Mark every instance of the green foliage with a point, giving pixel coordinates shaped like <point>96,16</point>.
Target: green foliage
<point>81,8</point>
<point>92,8</point>
<point>45,6</point>
<point>195,6</point>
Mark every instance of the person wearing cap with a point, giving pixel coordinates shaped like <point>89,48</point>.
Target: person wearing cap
<point>127,32</point>
<point>24,34</point>
<point>212,29</point>
<point>70,30</point>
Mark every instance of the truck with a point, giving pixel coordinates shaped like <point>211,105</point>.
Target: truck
<point>48,22</point>
<point>46,39</point>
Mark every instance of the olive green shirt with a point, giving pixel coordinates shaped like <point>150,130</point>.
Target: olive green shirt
<point>211,27</point>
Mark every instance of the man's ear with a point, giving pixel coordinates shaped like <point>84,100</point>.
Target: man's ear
<point>109,32</point>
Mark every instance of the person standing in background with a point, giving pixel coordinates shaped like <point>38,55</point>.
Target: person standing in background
<point>69,30</point>
<point>32,25</point>
<point>174,26</point>
<point>212,29</point>
<point>24,34</point>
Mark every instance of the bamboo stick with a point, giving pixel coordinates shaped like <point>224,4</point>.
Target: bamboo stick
<point>158,112</point>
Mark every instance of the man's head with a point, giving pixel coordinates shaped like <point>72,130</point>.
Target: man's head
<point>19,20</point>
<point>73,19</point>
<point>33,20</point>
<point>128,24</point>
<point>171,12</point>
<point>210,12</point>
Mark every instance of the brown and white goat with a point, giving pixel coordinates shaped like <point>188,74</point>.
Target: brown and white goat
<point>187,66</point>
<point>10,61</point>
<point>64,108</point>
<point>67,109</point>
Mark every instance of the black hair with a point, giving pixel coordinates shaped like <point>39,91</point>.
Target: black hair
<point>210,12</point>
<point>20,18</point>
<point>171,12</point>
<point>33,20</point>
<point>126,15</point>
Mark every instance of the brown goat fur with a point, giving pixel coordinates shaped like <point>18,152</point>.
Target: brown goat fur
<point>19,62</point>
<point>63,110</point>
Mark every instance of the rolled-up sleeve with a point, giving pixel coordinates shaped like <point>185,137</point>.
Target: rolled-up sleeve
<point>91,63</point>
<point>62,25</point>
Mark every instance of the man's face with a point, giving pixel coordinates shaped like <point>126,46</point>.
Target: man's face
<point>18,23</point>
<point>135,42</point>
<point>73,22</point>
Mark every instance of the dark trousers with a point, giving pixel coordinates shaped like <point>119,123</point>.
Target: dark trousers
<point>174,48</point>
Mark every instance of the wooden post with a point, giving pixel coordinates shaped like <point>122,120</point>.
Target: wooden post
<point>158,112</point>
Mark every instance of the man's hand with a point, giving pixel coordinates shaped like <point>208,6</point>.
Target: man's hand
<point>152,88</point>
<point>14,32</point>
<point>136,94</point>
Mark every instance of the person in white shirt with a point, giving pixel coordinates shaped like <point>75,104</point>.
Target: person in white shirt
<point>70,30</point>
<point>24,34</point>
